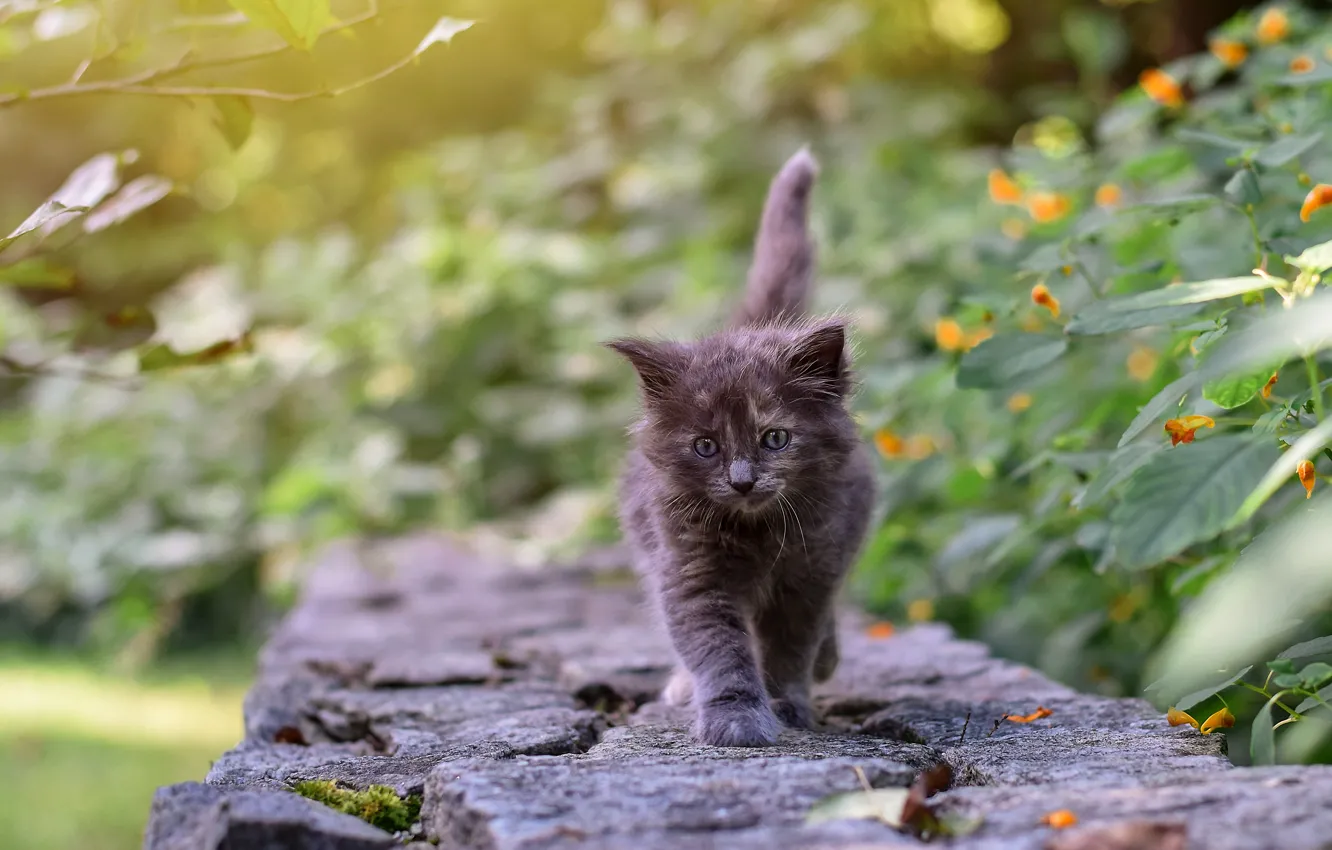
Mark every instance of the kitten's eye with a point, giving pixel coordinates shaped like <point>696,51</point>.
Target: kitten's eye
<point>776,439</point>
<point>705,447</point>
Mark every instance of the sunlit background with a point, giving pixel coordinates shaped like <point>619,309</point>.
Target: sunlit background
<point>381,311</point>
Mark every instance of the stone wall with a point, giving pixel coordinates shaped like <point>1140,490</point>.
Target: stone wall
<point>520,706</point>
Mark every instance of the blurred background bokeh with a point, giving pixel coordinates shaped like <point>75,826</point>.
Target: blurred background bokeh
<point>382,310</point>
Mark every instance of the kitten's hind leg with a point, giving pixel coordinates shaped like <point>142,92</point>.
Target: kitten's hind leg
<point>679,691</point>
<point>825,663</point>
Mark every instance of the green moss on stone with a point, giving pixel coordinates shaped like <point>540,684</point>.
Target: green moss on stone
<point>377,805</point>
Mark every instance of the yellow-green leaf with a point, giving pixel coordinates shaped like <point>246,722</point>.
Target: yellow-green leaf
<point>299,22</point>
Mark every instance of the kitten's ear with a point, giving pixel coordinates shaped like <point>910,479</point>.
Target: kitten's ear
<point>658,363</point>
<point>819,358</point>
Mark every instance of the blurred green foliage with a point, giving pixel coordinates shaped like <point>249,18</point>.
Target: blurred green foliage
<point>362,314</point>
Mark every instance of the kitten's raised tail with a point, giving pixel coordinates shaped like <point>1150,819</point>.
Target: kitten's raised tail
<point>783,265</point>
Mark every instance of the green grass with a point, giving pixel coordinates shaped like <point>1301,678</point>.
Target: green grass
<point>82,749</point>
<point>66,793</point>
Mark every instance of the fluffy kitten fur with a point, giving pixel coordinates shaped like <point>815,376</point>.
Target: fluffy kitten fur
<point>744,546</point>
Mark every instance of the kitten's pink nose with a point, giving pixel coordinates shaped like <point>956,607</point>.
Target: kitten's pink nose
<point>741,476</point>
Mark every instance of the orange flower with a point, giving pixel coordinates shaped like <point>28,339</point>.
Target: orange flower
<point>1040,712</point>
<point>1046,207</point>
<point>919,446</point>
<point>1222,719</point>
<point>1161,87</point>
<point>1108,195</point>
<point>920,610</point>
<point>1019,402</point>
<point>889,444</point>
<point>949,336</point>
<point>1267,388</point>
<point>1302,64</point>
<point>1040,294</point>
<point>1175,717</point>
<point>1273,26</point>
<point>976,337</point>
<point>1182,430</point>
<point>1061,819</point>
<point>1231,53</point>
<point>1014,228</point>
<point>1141,363</point>
<point>1002,188</point>
<point>879,631</point>
<point>1318,197</point>
<point>1307,477</point>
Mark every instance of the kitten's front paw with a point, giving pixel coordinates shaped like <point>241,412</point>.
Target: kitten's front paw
<point>795,713</point>
<point>739,723</point>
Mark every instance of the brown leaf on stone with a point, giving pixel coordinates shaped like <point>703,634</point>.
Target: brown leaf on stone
<point>916,813</point>
<point>290,735</point>
<point>1129,835</point>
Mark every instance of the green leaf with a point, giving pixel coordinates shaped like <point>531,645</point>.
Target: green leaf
<point>1170,296</point>
<point>37,273</point>
<point>1270,422</point>
<point>1283,151</point>
<point>881,804</point>
<point>1002,360</point>
<point>299,22</point>
<point>1176,202</point>
<point>135,196</point>
<point>1316,77</point>
<point>1189,494</point>
<point>43,216</point>
<point>1243,188</point>
<point>1213,140</point>
<point>235,118</point>
<point>1305,447</point>
<point>1122,464</point>
<point>1310,703</point>
<point>1230,393</point>
<point>1262,740</point>
<point>1316,259</point>
<point>1315,675</point>
<point>1188,701</point>
<point>1283,666</point>
<point>442,33</point>
<point>1305,649</point>
<point>1155,410</point>
<point>1278,336</point>
<point>1090,323</point>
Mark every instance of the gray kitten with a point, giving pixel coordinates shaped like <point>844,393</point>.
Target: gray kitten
<point>748,491</point>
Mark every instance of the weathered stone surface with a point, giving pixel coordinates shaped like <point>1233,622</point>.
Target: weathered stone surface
<point>191,816</point>
<point>522,705</point>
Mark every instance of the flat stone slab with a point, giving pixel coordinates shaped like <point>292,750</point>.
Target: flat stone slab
<point>522,706</point>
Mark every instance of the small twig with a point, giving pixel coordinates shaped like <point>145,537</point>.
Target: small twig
<point>996,727</point>
<point>864,780</point>
<point>81,70</point>
<point>965,724</point>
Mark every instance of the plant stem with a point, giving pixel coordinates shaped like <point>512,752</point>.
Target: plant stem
<point>1315,391</point>
<point>1263,692</point>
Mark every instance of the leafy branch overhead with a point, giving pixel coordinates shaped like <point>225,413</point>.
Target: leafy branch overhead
<point>300,25</point>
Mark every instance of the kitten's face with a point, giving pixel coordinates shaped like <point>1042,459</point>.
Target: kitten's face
<point>747,418</point>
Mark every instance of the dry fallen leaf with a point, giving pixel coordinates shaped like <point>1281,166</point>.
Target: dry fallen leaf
<point>1060,819</point>
<point>881,630</point>
<point>1038,714</point>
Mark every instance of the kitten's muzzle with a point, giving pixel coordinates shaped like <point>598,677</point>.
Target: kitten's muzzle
<point>740,475</point>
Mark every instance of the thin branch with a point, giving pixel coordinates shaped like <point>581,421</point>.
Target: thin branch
<point>256,94</point>
<point>142,82</point>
